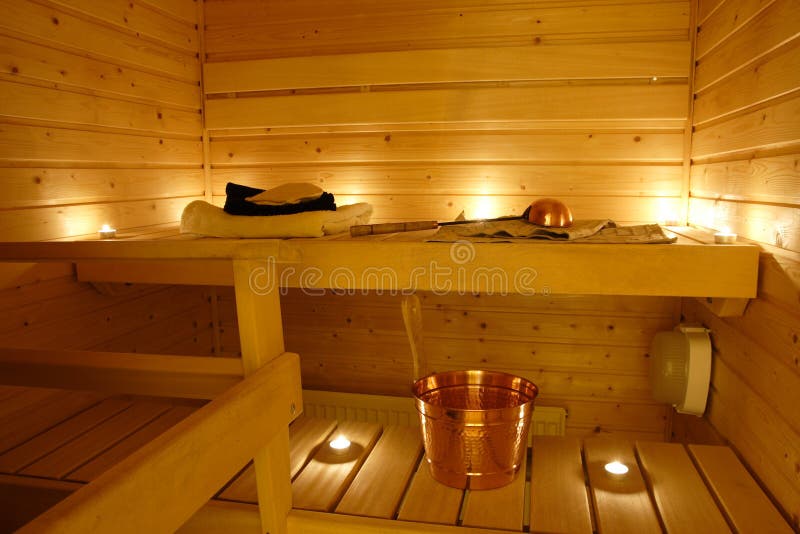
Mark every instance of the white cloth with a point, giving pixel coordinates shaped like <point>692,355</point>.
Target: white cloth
<point>200,217</point>
<point>291,193</point>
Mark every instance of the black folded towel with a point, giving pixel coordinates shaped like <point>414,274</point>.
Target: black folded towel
<point>236,203</point>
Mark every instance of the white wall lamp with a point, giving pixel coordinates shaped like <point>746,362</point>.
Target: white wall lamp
<point>680,369</point>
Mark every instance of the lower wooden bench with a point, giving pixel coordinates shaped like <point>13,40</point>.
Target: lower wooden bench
<point>68,438</point>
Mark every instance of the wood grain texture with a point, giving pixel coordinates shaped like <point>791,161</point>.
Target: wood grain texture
<point>768,29</point>
<point>501,508</point>
<point>61,29</point>
<point>429,501</point>
<point>596,61</point>
<point>683,501</point>
<point>323,481</point>
<point>557,480</point>
<point>370,30</point>
<point>211,441</point>
<point>773,76</point>
<point>741,498</point>
<point>621,502</point>
<point>379,486</point>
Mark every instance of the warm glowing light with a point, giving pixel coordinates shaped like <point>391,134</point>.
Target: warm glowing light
<point>340,444</point>
<point>725,236</point>
<point>107,232</point>
<point>667,212</point>
<point>485,207</point>
<point>616,468</point>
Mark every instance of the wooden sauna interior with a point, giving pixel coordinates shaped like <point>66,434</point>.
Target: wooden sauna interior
<point>122,112</point>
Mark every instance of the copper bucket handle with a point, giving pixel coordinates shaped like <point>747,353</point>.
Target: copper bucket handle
<point>412,319</point>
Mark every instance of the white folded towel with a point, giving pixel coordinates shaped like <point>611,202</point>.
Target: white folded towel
<point>200,217</point>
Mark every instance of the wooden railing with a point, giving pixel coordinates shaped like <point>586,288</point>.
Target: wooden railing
<point>158,488</point>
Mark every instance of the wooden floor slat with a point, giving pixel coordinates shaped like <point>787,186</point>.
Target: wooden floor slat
<point>379,485</point>
<point>323,481</point>
<point>305,435</point>
<point>30,451</point>
<point>558,483</point>
<point>501,508</point>
<point>621,502</point>
<point>742,500</point>
<point>683,501</point>
<point>132,443</point>
<point>702,489</point>
<point>428,501</point>
<point>84,448</point>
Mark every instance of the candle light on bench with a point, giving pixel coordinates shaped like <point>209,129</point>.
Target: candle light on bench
<point>725,237</point>
<point>616,468</point>
<point>340,445</point>
<point>106,232</point>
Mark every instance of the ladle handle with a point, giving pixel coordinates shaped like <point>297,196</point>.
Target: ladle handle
<point>412,319</point>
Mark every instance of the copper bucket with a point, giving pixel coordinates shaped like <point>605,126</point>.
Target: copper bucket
<point>474,426</point>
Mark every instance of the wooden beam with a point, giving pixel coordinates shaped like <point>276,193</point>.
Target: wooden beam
<point>164,483</point>
<point>196,377</point>
<point>183,272</point>
<point>258,310</point>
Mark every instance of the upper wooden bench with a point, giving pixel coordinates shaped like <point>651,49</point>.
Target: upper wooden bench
<point>692,267</point>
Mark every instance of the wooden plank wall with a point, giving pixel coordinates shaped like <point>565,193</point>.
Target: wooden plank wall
<point>587,354</point>
<point>44,307</point>
<point>746,174</point>
<point>425,109</point>
<point>100,120</point>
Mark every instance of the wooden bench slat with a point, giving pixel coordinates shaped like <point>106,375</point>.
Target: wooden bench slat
<point>40,418</point>
<point>683,501</point>
<point>745,505</point>
<point>559,502</point>
<point>323,481</point>
<point>121,450</point>
<point>501,508</point>
<point>19,457</point>
<point>621,502</point>
<point>378,487</point>
<point>71,455</point>
<point>429,501</point>
<point>21,403</point>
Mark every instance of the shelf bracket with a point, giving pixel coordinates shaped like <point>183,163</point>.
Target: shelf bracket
<point>725,306</point>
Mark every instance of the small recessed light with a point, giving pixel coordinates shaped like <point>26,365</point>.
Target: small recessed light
<point>616,468</point>
<point>340,444</point>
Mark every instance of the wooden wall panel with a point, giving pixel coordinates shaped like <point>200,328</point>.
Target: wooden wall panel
<point>245,30</point>
<point>745,175</point>
<point>308,91</point>
<point>101,120</point>
<point>45,307</point>
<point>587,354</point>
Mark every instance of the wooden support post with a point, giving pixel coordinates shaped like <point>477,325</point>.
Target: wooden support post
<point>261,336</point>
